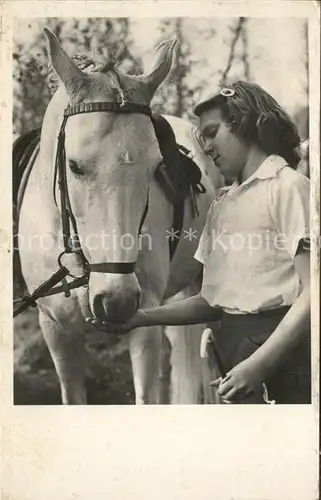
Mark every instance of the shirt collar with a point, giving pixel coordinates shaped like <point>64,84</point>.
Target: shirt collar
<point>268,169</point>
<point>222,192</point>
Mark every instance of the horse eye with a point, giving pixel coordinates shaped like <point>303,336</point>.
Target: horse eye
<point>74,167</point>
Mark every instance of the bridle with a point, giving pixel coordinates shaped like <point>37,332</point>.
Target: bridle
<point>68,219</point>
<point>66,214</point>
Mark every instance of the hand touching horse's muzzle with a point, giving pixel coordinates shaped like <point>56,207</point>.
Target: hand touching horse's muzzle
<point>115,309</point>
<point>114,298</point>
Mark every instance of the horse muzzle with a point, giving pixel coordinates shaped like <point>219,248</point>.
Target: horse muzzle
<point>114,298</point>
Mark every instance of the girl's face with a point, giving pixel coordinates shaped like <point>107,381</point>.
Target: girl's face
<point>229,153</point>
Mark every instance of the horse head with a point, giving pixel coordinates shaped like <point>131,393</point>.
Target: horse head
<point>110,161</point>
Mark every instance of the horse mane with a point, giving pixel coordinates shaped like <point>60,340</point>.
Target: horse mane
<point>83,61</point>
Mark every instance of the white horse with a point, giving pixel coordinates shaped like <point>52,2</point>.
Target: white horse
<point>111,159</point>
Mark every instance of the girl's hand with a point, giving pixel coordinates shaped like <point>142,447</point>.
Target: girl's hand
<point>240,382</point>
<point>119,328</point>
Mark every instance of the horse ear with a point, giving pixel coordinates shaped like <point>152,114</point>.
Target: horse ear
<point>67,70</point>
<point>161,65</point>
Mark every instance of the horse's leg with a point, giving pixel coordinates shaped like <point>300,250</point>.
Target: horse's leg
<point>186,364</point>
<point>145,352</point>
<point>165,371</point>
<point>190,374</point>
<point>68,354</point>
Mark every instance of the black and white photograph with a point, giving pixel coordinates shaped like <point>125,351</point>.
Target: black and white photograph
<point>162,211</point>
<point>159,230</point>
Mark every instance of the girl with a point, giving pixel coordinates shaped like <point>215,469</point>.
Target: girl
<point>254,251</point>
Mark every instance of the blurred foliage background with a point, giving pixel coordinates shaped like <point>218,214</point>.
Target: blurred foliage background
<point>270,52</point>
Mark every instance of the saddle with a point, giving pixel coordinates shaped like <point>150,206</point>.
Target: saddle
<point>22,151</point>
<point>178,175</point>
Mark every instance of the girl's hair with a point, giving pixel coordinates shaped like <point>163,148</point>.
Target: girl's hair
<point>256,117</point>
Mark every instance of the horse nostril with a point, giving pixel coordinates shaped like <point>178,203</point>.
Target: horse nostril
<point>138,299</point>
<point>115,309</point>
<point>99,308</point>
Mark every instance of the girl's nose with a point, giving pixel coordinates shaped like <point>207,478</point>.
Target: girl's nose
<point>208,148</point>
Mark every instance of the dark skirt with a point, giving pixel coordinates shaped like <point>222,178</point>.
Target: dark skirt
<point>240,335</point>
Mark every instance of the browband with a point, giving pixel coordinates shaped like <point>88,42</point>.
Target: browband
<point>116,107</point>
